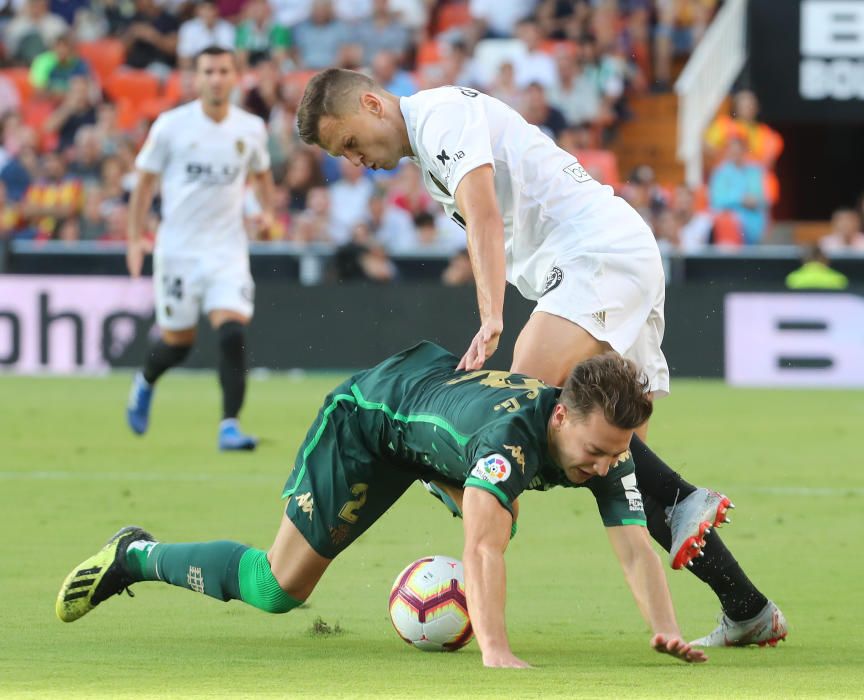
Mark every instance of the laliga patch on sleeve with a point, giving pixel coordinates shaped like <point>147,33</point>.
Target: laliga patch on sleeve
<point>493,469</point>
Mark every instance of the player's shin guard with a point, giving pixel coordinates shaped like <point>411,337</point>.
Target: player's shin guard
<point>656,478</point>
<point>161,357</point>
<point>223,570</point>
<point>739,598</point>
<point>232,367</point>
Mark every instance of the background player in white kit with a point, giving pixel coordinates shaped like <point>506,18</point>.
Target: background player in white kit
<point>535,218</point>
<point>204,152</point>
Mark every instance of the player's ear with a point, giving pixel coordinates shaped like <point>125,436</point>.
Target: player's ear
<point>372,103</point>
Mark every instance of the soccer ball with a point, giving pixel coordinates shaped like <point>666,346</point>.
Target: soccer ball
<point>427,605</point>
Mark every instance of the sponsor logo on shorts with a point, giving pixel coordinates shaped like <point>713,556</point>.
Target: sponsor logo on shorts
<point>553,279</point>
<point>493,469</point>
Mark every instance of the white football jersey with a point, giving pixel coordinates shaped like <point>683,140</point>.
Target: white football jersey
<point>551,206</point>
<point>204,165</point>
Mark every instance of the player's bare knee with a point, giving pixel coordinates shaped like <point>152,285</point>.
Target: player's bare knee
<point>182,338</point>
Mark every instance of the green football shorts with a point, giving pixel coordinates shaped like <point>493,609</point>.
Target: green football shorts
<point>338,487</point>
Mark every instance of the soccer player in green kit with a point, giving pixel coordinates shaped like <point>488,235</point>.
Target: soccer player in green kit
<point>415,416</point>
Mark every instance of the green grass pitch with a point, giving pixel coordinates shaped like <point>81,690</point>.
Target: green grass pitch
<point>71,474</point>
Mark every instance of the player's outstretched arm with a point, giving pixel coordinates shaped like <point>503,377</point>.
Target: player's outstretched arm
<point>647,580</point>
<point>139,205</point>
<point>487,532</point>
<point>475,197</point>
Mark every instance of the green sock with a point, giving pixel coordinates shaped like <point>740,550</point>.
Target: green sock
<point>223,570</point>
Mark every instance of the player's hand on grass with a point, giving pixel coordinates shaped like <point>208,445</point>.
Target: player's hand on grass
<point>484,344</point>
<point>503,659</point>
<point>677,647</point>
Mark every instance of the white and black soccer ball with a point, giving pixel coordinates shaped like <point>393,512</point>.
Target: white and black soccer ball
<point>428,607</point>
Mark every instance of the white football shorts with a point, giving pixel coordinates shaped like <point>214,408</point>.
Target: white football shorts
<point>186,287</point>
<point>618,298</point>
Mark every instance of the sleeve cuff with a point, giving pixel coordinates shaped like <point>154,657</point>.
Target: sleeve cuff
<point>491,488</point>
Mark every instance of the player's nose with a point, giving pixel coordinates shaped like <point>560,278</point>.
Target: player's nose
<point>601,468</point>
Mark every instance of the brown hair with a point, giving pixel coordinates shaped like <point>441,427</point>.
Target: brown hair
<point>611,383</point>
<point>327,95</point>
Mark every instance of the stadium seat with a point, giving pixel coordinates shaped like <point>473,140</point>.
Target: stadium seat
<point>104,56</point>
<point>452,15</point>
<point>172,88</point>
<point>35,112</point>
<point>428,52</point>
<point>20,78</point>
<point>135,85</point>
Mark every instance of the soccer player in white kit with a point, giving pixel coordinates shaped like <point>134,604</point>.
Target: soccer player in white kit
<point>204,152</point>
<point>535,218</point>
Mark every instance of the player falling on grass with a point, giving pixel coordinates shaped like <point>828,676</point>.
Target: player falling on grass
<point>414,416</point>
<point>535,218</point>
<point>204,152</point>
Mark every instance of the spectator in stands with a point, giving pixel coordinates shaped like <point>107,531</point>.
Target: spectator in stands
<point>150,37</point>
<point>503,86</point>
<point>386,72</point>
<point>205,29</point>
<point>92,225</point>
<point>383,31</point>
<point>52,199</point>
<point>320,39</point>
<point>494,19</point>
<point>259,38</point>
<point>352,11</point>
<point>314,224</point>
<point>608,70</point>
<point>457,66</point>
<point>363,258</point>
<point>52,70</point>
<point>737,186</point>
<point>764,145</point>
<point>10,98</point>
<point>845,233</point>
<point>601,164</point>
<point>303,174</point>
<point>458,271</point>
<point>539,112</point>
<point>352,192</point>
<point>555,16</point>
<point>667,232</point>
<point>533,65</point>
<point>407,190</point>
<point>644,193</point>
<point>575,93</point>
<point>19,172</point>
<point>10,216</point>
<point>694,227</point>
<point>86,157</point>
<point>392,226</point>
<point>32,31</point>
<point>76,110</point>
<point>115,186</point>
<point>290,13</point>
<point>816,273</point>
<point>680,26</point>
<point>107,129</point>
<point>266,94</point>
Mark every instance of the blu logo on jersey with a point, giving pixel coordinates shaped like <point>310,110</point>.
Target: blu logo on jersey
<point>209,174</point>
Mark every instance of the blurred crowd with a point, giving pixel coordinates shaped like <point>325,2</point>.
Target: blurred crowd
<point>83,80</point>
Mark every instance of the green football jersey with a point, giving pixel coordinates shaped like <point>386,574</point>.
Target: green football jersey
<point>483,429</point>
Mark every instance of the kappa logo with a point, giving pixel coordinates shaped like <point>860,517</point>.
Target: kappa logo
<point>553,279</point>
<point>493,469</point>
<point>306,503</point>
